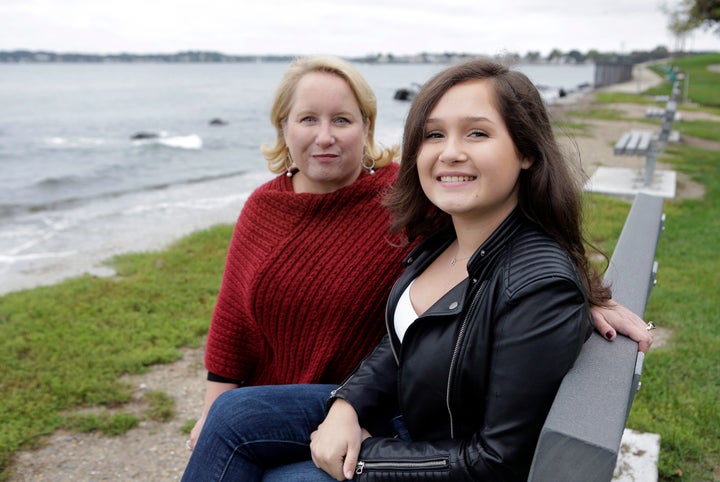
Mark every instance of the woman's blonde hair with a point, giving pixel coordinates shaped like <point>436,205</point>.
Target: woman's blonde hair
<point>277,154</point>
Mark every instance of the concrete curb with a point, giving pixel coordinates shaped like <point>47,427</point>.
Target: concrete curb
<point>638,459</point>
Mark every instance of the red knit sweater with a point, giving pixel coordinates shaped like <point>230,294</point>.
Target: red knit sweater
<point>305,284</point>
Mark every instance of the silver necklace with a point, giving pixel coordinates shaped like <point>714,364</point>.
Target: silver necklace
<point>455,260</point>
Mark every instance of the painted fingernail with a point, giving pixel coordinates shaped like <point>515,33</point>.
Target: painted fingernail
<point>610,335</point>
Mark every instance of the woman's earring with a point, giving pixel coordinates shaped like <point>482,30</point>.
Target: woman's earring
<point>289,164</point>
<point>368,163</point>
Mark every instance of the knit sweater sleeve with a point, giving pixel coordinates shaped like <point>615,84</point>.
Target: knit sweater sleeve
<point>234,342</point>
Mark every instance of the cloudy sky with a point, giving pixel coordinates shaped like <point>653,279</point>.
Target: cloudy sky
<point>351,27</point>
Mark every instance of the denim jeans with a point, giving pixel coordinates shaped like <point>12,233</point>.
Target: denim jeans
<point>260,434</point>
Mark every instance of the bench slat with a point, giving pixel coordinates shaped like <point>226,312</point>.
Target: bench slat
<point>633,143</point>
<point>654,113</point>
<point>621,143</point>
<point>644,143</point>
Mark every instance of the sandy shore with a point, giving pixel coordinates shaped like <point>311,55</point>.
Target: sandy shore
<point>157,452</point>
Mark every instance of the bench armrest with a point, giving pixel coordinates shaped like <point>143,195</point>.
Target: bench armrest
<point>581,436</point>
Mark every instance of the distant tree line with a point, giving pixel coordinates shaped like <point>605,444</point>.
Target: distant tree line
<point>179,57</point>
<point>577,57</point>
<point>556,56</point>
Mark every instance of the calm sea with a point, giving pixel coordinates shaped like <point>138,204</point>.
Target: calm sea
<point>75,189</point>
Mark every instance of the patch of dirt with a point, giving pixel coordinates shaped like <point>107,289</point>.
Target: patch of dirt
<point>152,451</point>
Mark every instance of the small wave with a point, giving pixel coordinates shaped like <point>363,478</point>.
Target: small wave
<point>5,259</point>
<point>30,237</point>
<point>202,204</point>
<point>192,141</point>
<point>8,210</point>
<point>75,142</point>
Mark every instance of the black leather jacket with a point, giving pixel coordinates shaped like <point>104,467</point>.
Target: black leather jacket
<point>476,374</point>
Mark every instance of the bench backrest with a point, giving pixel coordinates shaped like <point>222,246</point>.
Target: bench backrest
<point>581,436</point>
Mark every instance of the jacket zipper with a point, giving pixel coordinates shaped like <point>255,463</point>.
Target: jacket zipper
<point>344,382</point>
<point>453,360</point>
<point>428,464</point>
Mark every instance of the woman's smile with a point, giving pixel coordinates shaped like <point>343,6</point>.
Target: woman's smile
<point>326,157</point>
<point>455,178</point>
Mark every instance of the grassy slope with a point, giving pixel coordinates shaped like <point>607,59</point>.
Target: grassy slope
<point>680,399</point>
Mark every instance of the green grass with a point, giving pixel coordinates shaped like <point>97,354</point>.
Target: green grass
<point>687,107</point>
<point>109,424</point>
<point>599,113</point>
<point>160,407</point>
<point>63,348</point>
<point>703,88</point>
<point>680,398</point>
<point>701,129</point>
<point>625,98</point>
<point>188,426</point>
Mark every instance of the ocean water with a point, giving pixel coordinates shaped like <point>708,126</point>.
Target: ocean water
<point>76,189</point>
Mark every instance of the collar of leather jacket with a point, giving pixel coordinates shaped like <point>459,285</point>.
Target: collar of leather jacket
<point>497,239</point>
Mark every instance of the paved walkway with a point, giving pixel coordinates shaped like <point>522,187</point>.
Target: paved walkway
<point>643,78</point>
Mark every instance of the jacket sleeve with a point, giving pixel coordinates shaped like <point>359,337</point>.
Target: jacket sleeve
<point>532,351</point>
<point>372,389</point>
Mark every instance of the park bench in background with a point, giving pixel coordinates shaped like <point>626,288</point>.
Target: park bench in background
<point>666,134</point>
<point>646,143</point>
<point>671,102</point>
<point>581,437</point>
<point>659,113</point>
<point>633,143</point>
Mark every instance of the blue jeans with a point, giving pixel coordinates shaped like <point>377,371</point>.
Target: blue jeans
<point>260,434</point>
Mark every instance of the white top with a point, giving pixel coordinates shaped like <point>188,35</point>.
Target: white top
<point>405,314</point>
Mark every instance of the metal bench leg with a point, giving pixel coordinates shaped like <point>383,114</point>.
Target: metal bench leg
<point>650,164</point>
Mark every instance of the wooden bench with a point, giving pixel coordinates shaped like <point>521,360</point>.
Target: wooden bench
<point>634,143</point>
<point>670,106</point>
<point>581,437</point>
<point>669,118</point>
<point>654,113</point>
<point>659,113</point>
<point>644,143</point>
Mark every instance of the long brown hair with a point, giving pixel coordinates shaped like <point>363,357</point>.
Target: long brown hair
<point>549,191</point>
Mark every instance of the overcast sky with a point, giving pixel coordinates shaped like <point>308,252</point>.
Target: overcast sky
<point>350,27</point>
